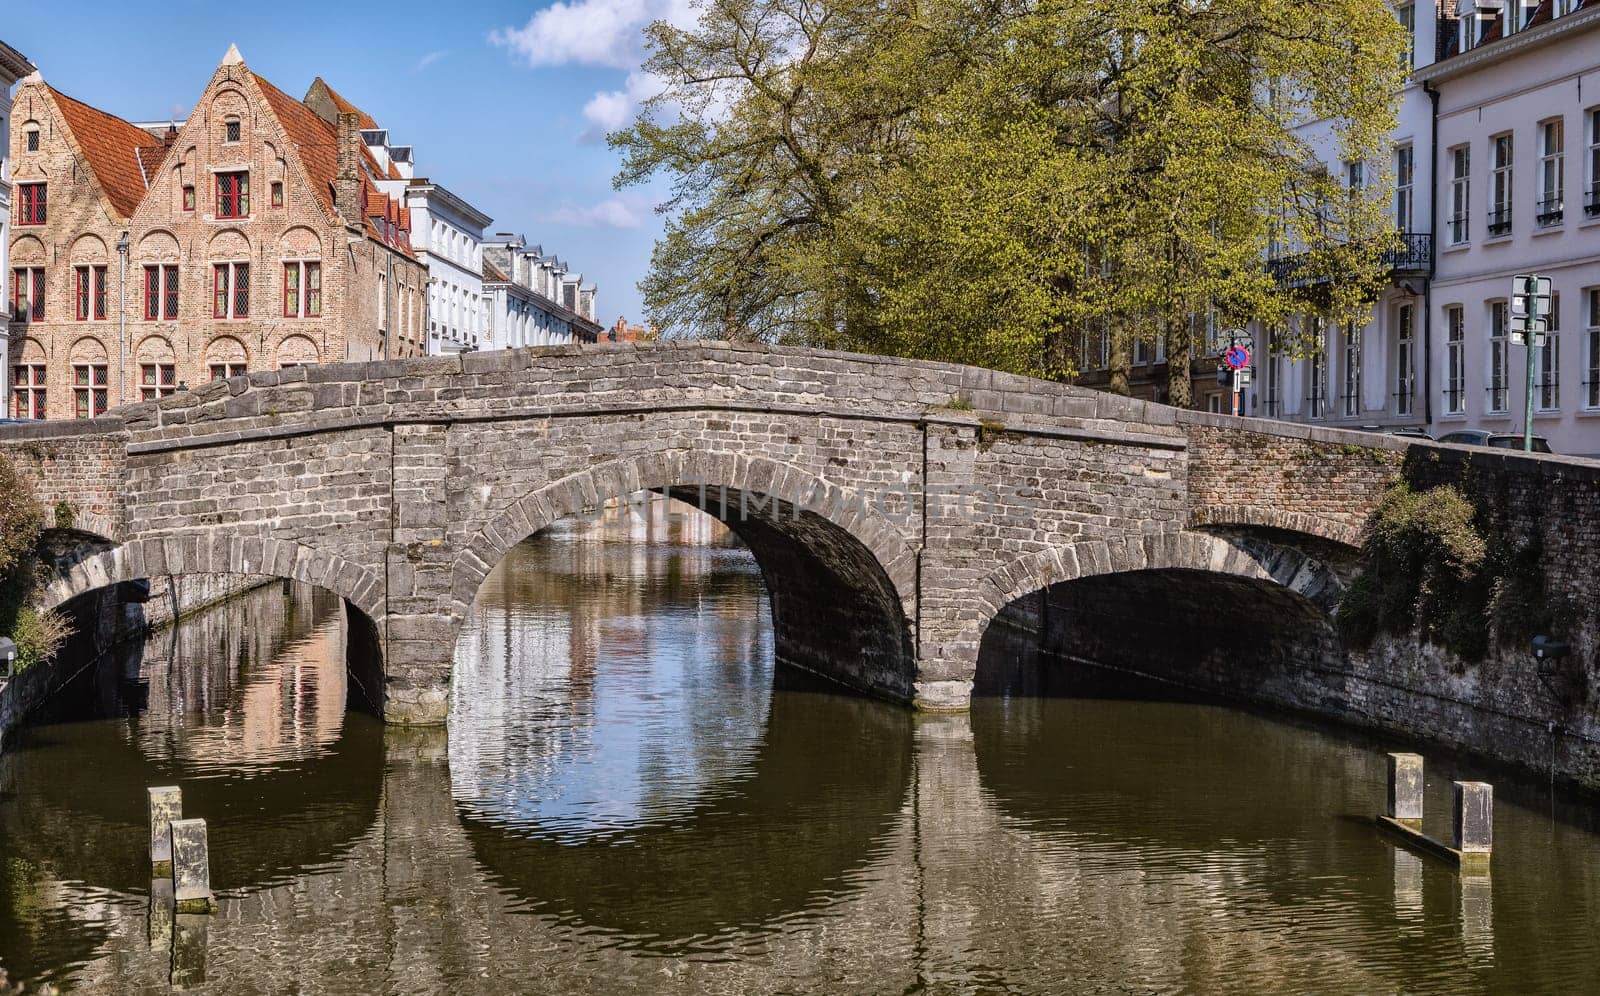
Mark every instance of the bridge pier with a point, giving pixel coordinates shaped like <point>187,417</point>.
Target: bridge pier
<point>416,681</point>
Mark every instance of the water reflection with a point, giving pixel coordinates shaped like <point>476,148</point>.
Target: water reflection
<point>632,799</point>
<point>622,760</point>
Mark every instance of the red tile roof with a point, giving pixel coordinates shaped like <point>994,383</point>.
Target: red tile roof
<point>318,142</point>
<point>121,156</point>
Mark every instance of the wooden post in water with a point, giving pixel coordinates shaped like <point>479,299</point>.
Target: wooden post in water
<point>1405,787</point>
<point>1472,823</point>
<point>191,867</point>
<point>166,805</point>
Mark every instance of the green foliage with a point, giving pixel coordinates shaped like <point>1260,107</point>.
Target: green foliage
<point>66,517</point>
<point>1427,568</point>
<point>995,181</point>
<point>38,635</point>
<point>1422,570</point>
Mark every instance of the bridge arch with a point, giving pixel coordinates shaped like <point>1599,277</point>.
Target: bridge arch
<point>840,578</point>
<point>1188,607</point>
<point>212,554</point>
<point>1305,523</point>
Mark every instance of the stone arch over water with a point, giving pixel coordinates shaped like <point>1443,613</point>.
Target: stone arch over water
<point>840,579</point>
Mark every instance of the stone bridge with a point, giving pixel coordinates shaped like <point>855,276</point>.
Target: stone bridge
<point>895,507</point>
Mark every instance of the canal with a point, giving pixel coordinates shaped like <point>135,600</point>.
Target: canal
<point>633,798</point>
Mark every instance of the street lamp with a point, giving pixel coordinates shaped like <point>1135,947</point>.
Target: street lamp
<point>8,655</point>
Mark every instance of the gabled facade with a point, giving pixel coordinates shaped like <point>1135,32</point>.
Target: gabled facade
<point>78,175</point>
<point>250,237</point>
<point>13,67</point>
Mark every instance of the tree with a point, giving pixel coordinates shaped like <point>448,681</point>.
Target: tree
<point>995,183</point>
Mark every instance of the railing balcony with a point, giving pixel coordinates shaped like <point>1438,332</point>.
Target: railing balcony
<point>1412,257</point>
<point>1591,203</point>
<point>1551,211</point>
<point>1500,221</point>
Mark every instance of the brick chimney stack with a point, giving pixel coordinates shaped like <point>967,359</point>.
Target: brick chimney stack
<point>347,183</point>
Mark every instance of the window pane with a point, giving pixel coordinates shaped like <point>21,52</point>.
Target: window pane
<point>241,290</point>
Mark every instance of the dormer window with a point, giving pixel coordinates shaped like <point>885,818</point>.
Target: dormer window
<point>230,131</point>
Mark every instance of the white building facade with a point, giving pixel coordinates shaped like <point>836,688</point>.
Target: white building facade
<point>447,234</point>
<point>1496,167</point>
<point>532,299</point>
<point>1519,192</point>
<point>1375,374</point>
<point>13,67</point>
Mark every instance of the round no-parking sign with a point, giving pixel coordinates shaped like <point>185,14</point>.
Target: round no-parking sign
<point>1237,358</point>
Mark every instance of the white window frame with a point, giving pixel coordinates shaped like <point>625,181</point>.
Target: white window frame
<point>1547,372</point>
<point>1591,199</point>
<point>1405,174</point>
<point>1455,383</point>
<point>1502,178</point>
<point>1591,348</point>
<point>1460,194</point>
<point>1317,372</point>
<point>1497,369</point>
<point>1352,371</point>
<point>1406,14</point>
<point>1405,360</point>
<point>1552,172</point>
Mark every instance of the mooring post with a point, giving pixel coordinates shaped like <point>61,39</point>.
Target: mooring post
<point>191,869</point>
<point>166,805</point>
<point>1405,787</point>
<point>1473,821</point>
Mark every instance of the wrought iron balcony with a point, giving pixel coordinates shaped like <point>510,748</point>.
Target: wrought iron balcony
<point>1500,221</point>
<point>1412,257</point>
<point>1591,203</point>
<point>1551,211</point>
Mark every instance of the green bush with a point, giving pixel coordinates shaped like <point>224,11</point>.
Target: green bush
<point>1423,570</point>
<point>38,634</point>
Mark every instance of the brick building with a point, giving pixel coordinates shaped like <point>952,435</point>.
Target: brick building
<point>13,66</point>
<point>250,237</point>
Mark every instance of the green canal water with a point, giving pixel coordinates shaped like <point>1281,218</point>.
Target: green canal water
<point>631,798</point>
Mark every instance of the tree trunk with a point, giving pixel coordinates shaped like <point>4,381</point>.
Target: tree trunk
<point>1121,364</point>
<point>1180,385</point>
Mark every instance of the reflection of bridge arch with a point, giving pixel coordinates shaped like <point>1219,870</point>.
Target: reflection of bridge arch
<point>781,841</point>
<point>277,814</point>
<point>841,580</point>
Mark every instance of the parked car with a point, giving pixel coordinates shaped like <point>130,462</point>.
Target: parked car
<point>1410,433</point>
<point>1499,440</point>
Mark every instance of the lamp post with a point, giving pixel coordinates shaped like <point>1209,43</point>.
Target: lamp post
<point>122,319</point>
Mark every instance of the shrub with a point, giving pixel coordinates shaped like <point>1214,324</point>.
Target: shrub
<point>38,635</point>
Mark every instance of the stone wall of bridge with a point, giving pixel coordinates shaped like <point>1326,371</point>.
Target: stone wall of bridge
<point>897,507</point>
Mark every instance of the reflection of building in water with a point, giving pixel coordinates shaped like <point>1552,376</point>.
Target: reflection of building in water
<point>579,612</point>
<point>258,679</point>
<point>648,517</point>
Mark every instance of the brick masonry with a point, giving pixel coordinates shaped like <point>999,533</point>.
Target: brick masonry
<point>896,507</point>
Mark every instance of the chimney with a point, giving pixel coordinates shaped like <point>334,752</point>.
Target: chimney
<point>347,183</point>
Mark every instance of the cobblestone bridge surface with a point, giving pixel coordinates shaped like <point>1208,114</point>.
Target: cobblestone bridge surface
<point>895,506</point>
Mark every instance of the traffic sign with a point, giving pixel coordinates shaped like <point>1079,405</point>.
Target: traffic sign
<point>1237,358</point>
<point>1529,293</point>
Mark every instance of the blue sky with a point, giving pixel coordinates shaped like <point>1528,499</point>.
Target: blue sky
<point>504,102</point>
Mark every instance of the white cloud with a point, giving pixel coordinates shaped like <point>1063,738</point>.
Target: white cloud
<point>584,32</point>
<point>613,212</point>
<point>429,59</point>
<point>609,110</point>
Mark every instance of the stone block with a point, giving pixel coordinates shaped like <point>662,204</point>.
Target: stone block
<point>1405,787</point>
<point>191,866</point>
<point>1472,823</point>
<point>166,805</point>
